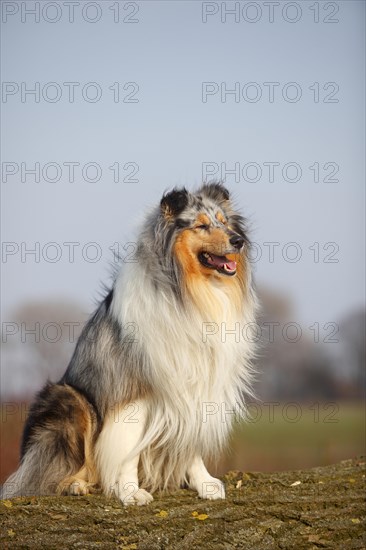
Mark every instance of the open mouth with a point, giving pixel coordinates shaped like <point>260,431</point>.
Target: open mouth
<point>221,263</point>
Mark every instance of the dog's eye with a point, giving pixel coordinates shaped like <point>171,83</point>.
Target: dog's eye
<point>203,226</point>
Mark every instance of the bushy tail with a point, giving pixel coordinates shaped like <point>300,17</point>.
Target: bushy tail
<point>60,424</point>
<point>38,474</point>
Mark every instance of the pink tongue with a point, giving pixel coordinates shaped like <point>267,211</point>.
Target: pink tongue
<point>231,265</point>
<point>220,261</point>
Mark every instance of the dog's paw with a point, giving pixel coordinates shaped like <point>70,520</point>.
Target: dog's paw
<point>78,487</point>
<point>211,489</point>
<point>74,486</point>
<point>131,495</point>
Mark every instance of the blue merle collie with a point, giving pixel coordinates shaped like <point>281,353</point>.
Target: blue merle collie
<point>140,405</point>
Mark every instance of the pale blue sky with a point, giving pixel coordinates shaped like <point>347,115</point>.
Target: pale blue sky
<point>170,132</point>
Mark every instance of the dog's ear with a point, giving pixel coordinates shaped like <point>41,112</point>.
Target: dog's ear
<point>174,203</point>
<point>216,191</point>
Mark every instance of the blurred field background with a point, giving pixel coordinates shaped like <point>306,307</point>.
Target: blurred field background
<point>276,444</point>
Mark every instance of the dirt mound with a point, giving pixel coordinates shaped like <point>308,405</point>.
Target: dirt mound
<point>308,509</point>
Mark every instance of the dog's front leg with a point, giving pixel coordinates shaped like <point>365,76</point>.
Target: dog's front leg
<point>199,479</point>
<point>118,465</point>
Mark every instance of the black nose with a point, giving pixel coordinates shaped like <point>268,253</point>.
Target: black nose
<point>237,241</point>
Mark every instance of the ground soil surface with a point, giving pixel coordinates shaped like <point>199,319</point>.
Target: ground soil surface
<point>308,509</point>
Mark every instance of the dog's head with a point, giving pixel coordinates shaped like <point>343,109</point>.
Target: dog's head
<point>209,236</point>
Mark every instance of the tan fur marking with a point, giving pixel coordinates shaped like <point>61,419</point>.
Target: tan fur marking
<point>221,218</point>
<point>83,481</point>
<point>186,248</point>
<point>202,219</point>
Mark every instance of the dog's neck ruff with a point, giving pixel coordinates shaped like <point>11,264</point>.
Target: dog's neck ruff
<point>199,362</point>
